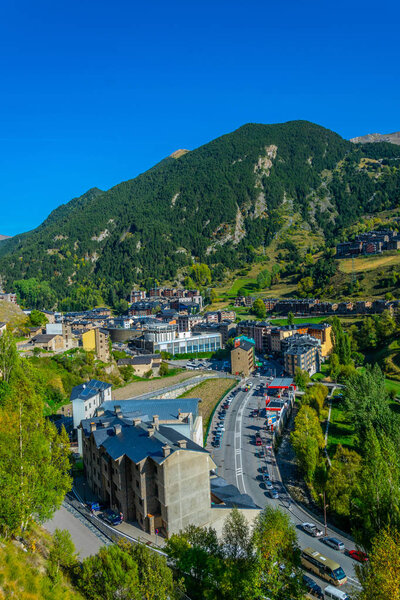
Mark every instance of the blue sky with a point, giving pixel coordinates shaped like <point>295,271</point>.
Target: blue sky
<point>93,93</point>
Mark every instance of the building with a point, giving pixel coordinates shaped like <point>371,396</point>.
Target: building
<point>96,340</point>
<point>303,352</point>
<point>48,342</point>
<point>258,331</point>
<point>322,332</point>
<point>8,297</point>
<point>142,364</point>
<point>85,399</point>
<point>277,335</point>
<point>147,471</point>
<point>137,295</point>
<point>242,357</point>
<point>181,414</point>
<point>165,337</point>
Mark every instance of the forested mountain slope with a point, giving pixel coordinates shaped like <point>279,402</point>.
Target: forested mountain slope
<point>215,204</point>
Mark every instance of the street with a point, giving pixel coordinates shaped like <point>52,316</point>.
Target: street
<point>239,461</point>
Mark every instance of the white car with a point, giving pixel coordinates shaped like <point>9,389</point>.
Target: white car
<point>312,529</point>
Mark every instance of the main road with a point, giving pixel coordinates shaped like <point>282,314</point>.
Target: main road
<point>239,462</point>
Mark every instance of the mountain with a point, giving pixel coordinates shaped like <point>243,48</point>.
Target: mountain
<point>217,204</point>
<point>393,138</point>
<point>4,237</point>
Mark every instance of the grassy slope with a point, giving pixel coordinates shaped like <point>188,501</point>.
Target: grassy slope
<point>210,392</point>
<point>11,313</point>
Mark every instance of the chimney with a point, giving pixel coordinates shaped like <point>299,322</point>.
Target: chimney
<point>156,421</point>
<point>92,426</point>
<point>137,422</point>
<point>117,428</point>
<point>118,412</point>
<point>151,431</point>
<point>179,414</point>
<point>100,412</point>
<point>166,450</point>
<point>182,443</point>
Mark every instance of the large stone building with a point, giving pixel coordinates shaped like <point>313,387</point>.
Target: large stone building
<point>303,352</point>
<point>242,358</point>
<point>96,340</point>
<point>149,472</point>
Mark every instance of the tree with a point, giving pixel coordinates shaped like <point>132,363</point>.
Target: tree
<point>164,369</point>
<point>290,319</point>
<point>343,479</point>
<point>385,326</point>
<point>259,309</point>
<point>62,553</point>
<point>197,557</point>
<point>127,572</point>
<point>37,318</point>
<point>307,440</point>
<point>380,577</point>
<point>34,458</point>
<point>275,543</point>
<point>121,306</point>
<point>201,274</point>
<point>8,356</point>
<point>377,501</point>
<point>305,287</point>
<point>334,366</point>
<point>365,400</point>
<point>301,378</point>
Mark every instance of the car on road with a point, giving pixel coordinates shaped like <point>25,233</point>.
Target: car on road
<point>216,443</point>
<point>334,543</point>
<point>313,588</point>
<point>312,529</point>
<point>358,555</point>
<point>274,494</point>
<point>263,469</point>
<point>268,485</point>
<point>109,516</point>
<point>93,505</point>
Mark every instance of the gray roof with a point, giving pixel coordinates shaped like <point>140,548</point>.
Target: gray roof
<point>230,495</point>
<point>43,338</point>
<point>134,441</point>
<point>145,409</point>
<point>84,391</point>
<point>281,382</point>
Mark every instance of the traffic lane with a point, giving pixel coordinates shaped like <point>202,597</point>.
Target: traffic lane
<point>86,542</point>
<point>252,463</point>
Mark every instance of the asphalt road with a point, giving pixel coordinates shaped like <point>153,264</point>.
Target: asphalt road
<point>239,462</point>
<point>86,538</point>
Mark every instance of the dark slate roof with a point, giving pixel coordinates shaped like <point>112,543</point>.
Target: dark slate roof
<point>44,337</point>
<point>244,345</point>
<point>84,391</point>
<point>2,324</point>
<point>146,409</point>
<point>134,441</point>
<point>230,495</point>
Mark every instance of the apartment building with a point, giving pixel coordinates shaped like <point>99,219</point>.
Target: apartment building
<point>149,472</point>
<point>85,399</point>
<point>242,357</point>
<point>304,352</point>
<point>96,340</point>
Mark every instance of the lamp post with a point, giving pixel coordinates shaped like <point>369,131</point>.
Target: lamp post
<point>325,507</point>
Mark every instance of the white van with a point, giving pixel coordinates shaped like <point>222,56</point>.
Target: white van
<point>334,594</point>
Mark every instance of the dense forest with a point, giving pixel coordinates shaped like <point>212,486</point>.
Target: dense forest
<point>215,204</point>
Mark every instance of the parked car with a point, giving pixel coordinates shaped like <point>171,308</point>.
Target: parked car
<point>312,529</point>
<point>268,485</point>
<point>334,543</point>
<point>109,516</point>
<point>313,588</point>
<point>258,441</point>
<point>217,443</point>
<point>274,494</point>
<point>266,477</point>
<point>358,555</point>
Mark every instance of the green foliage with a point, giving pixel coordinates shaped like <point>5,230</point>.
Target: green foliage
<point>307,441</point>
<point>164,369</point>
<point>37,318</point>
<point>343,480</point>
<point>128,572</point>
<point>35,293</point>
<point>34,458</point>
<point>8,356</point>
<point>201,274</point>
<point>62,555</point>
<point>259,309</point>
<point>301,378</point>
<point>380,576</point>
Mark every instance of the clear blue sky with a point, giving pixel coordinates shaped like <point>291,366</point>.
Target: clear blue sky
<point>93,92</point>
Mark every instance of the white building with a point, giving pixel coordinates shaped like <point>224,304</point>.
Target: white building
<point>85,399</point>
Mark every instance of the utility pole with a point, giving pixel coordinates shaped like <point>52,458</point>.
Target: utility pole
<point>325,507</point>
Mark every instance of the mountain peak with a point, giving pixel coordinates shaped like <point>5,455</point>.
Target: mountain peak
<point>392,138</point>
<point>178,153</point>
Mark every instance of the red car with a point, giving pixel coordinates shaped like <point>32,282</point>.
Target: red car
<point>358,555</point>
<point>258,440</point>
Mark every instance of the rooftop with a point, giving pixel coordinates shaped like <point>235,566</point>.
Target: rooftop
<point>167,409</point>
<point>281,382</point>
<point>84,391</point>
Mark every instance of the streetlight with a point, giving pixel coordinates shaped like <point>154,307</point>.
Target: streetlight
<point>325,507</point>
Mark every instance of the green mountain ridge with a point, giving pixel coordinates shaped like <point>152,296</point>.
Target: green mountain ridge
<point>215,204</point>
